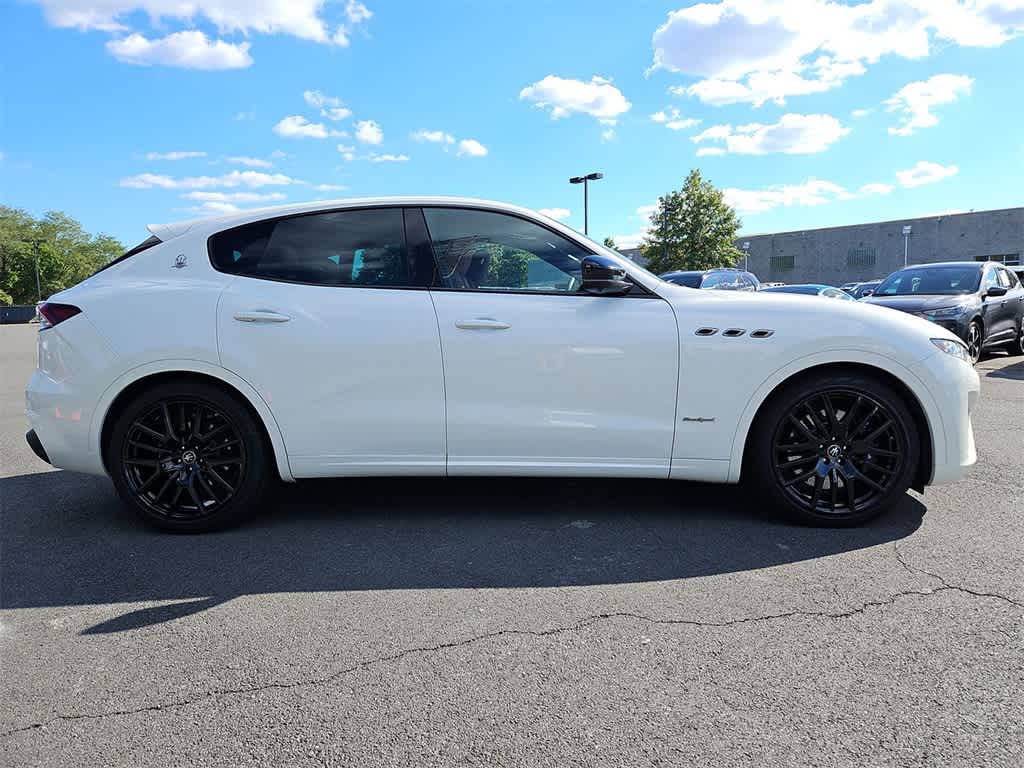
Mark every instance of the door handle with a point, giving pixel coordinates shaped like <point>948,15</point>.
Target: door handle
<point>482,324</point>
<point>261,316</point>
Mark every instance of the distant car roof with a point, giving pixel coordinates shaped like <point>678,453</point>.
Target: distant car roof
<point>948,264</point>
<point>798,288</point>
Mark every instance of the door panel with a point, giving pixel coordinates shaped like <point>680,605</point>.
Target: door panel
<point>558,384</point>
<point>326,319</point>
<point>353,377</point>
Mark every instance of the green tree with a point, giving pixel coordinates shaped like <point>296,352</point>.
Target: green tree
<point>692,228</point>
<point>56,244</point>
<point>609,242</point>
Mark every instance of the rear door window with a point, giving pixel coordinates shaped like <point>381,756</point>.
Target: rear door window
<point>357,248</point>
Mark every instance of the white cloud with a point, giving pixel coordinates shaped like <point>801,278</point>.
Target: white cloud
<point>433,137</point>
<point>859,113</point>
<point>767,50</point>
<point>876,189</point>
<point>330,107</point>
<point>555,213</point>
<point>306,19</point>
<point>348,152</point>
<point>249,162</point>
<point>373,157</point>
<point>673,120</point>
<point>173,155</point>
<point>298,127</point>
<point>368,132</point>
<point>277,154</point>
<point>329,187</point>
<point>2,157</point>
<point>792,135</point>
<point>810,193</point>
<point>234,197</point>
<point>471,148</point>
<point>925,173</point>
<point>914,101</point>
<point>563,97</point>
<point>623,242</point>
<point>710,151</point>
<point>214,208</point>
<point>245,116</point>
<point>233,179</point>
<point>190,49</point>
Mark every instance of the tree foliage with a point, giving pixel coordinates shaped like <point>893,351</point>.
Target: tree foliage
<point>692,228</point>
<point>66,254</point>
<point>609,242</point>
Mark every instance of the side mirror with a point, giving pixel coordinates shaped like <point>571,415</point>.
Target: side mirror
<point>603,277</point>
<point>995,291</point>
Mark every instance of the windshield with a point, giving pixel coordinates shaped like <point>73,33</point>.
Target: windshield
<point>931,281</point>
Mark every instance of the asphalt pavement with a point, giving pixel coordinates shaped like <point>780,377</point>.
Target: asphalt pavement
<point>512,622</point>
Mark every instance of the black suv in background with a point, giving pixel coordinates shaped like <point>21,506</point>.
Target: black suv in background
<point>982,303</point>
<point>722,279</point>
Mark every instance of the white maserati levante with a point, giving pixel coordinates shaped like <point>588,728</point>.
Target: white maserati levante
<point>440,336</point>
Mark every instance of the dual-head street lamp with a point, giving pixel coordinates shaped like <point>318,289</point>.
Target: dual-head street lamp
<point>586,202</point>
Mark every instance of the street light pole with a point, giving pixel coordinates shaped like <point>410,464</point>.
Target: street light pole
<point>906,245</point>
<point>746,252</point>
<point>586,197</point>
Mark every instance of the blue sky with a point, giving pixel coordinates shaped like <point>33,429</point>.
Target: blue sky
<point>808,113</point>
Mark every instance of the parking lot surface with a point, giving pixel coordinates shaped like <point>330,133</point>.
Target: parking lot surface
<point>512,622</point>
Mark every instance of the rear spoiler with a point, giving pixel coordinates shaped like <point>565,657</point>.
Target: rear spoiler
<point>170,231</point>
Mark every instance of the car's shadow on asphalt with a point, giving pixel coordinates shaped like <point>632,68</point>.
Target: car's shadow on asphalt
<point>1014,372</point>
<point>68,541</point>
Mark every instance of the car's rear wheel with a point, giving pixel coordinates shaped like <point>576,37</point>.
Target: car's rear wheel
<point>188,458</point>
<point>974,340</point>
<point>834,450</point>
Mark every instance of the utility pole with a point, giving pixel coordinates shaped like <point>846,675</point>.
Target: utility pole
<point>906,245</point>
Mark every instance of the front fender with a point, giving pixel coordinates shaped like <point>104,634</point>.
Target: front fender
<point>917,386</point>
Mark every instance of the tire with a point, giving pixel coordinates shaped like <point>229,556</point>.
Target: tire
<point>211,475</point>
<point>870,463</point>
<point>975,339</point>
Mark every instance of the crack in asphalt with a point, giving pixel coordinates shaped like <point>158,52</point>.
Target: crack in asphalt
<point>946,584</point>
<point>575,627</point>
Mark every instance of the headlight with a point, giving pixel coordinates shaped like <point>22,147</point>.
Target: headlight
<point>959,309</point>
<point>955,348</point>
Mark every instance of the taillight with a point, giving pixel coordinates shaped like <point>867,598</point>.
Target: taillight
<point>52,314</point>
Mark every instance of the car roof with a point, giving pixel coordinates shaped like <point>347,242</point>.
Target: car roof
<point>950,264</point>
<point>234,219</point>
<point>818,286</point>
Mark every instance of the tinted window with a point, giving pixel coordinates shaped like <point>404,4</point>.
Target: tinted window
<point>496,251</point>
<point>1007,279</point>
<point>339,248</point>
<point>690,281</point>
<point>991,278</point>
<point>930,280</point>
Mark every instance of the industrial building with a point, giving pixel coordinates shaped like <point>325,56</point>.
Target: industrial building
<point>837,255</point>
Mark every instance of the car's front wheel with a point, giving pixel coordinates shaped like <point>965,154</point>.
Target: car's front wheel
<point>188,457</point>
<point>974,340</point>
<point>834,450</point>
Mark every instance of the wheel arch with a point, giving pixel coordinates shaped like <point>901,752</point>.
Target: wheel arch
<point>912,394</point>
<point>130,384</point>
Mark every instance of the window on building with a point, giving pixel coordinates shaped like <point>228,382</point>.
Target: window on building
<point>781,263</point>
<point>1009,259</point>
<point>861,257</point>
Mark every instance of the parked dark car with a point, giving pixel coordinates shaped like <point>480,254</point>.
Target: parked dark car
<point>982,303</point>
<point>723,279</point>
<point>811,289</point>
<point>861,289</point>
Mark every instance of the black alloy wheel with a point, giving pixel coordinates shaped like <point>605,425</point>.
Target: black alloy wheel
<point>835,451</point>
<point>974,341</point>
<point>188,460</point>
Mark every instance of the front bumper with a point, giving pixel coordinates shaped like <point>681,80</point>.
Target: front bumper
<point>955,389</point>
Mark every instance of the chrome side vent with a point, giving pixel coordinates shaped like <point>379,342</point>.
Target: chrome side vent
<point>733,333</point>
<point>706,331</point>
<point>761,333</point>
